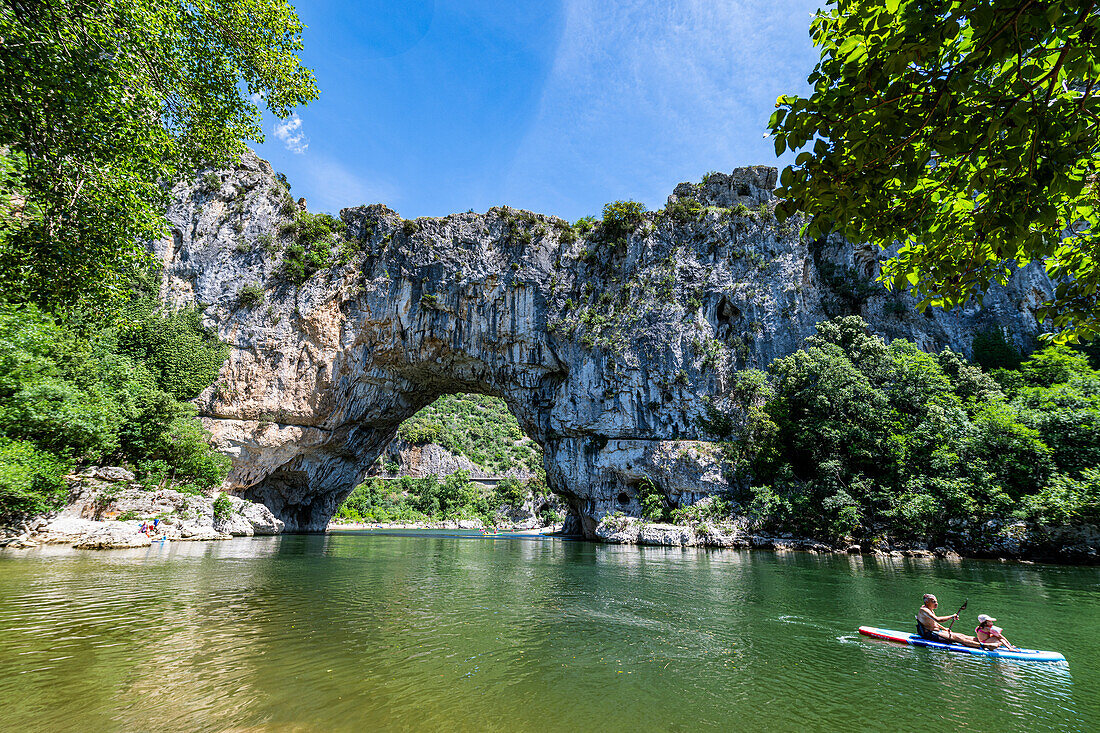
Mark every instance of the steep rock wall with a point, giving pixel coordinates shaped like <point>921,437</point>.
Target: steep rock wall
<point>604,350</point>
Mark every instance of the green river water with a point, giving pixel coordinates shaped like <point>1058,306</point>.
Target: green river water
<point>421,631</point>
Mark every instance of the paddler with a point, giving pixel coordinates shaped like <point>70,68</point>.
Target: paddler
<point>928,626</point>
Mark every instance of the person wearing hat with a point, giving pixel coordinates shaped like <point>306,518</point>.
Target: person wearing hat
<point>990,635</point>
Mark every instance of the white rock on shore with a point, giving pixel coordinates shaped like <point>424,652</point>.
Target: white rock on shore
<point>106,510</point>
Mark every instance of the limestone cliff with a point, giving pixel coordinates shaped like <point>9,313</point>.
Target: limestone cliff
<point>603,346</point>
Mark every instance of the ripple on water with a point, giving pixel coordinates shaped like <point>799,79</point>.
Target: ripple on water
<point>353,632</point>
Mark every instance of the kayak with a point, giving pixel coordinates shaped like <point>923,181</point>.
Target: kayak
<point>1028,655</point>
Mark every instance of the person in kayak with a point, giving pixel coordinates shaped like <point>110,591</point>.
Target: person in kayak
<point>990,635</point>
<point>928,626</point>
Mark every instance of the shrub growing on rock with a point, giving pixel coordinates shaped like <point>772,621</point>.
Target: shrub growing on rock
<point>223,507</point>
<point>250,296</point>
<point>620,220</point>
<point>183,356</point>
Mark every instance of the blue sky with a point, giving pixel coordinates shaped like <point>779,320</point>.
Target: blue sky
<point>557,107</point>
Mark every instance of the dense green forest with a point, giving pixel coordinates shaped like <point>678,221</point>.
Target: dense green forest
<point>852,437</point>
<point>90,390</point>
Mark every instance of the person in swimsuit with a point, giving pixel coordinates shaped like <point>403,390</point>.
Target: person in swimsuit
<point>990,635</point>
<point>928,625</point>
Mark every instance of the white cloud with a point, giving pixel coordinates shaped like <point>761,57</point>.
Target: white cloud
<point>643,94</point>
<point>256,97</point>
<point>291,133</point>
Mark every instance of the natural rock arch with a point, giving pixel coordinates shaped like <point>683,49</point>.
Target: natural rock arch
<point>604,350</point>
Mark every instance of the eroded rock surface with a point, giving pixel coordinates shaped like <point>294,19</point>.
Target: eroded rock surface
<point>603,348</point>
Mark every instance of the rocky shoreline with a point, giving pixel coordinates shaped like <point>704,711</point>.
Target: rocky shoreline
<point>107,508</point>
<point>1076,546</point>
<point>1081,549</point>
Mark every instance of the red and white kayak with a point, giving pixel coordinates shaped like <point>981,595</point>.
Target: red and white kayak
<point>1028,655</point>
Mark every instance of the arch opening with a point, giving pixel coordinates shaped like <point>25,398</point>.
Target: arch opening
<point>462,460</point>
<point>468,457</point>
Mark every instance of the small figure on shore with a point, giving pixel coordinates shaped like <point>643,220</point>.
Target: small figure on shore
<point>990,635</point>
<point>928,625</point>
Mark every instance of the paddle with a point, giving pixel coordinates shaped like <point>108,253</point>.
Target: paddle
<point>961,609</point>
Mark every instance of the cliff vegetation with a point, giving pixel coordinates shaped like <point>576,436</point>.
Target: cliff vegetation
<point>88,390</point>
<point>479,427</point>
<point>852,438</point>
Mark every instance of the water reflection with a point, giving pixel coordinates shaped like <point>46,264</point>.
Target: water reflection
<point>354,631</point>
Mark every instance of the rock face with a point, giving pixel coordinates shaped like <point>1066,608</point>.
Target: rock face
<point>420,460</point>
<point>604,345</point>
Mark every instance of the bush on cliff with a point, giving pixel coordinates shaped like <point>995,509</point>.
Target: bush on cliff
<point>620,220</point>
<point>182,355</point>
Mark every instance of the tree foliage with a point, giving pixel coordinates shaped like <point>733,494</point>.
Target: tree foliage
<point>968,131</point>
<point>620,220</point>
<point>868,440</point>
<point>67,397</point>
<point>480,427</point>
<point>102,103</point>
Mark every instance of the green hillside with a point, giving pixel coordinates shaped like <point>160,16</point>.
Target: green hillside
<point>480,427</point>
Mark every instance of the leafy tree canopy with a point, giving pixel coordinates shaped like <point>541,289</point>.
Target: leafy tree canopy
<point>102,103</point>
<point>965,132</point>
<point>862,438</point>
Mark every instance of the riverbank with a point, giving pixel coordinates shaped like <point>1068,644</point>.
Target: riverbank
<point>1078,548</point>
<point>107,508</point>
<point>1069,545</point>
